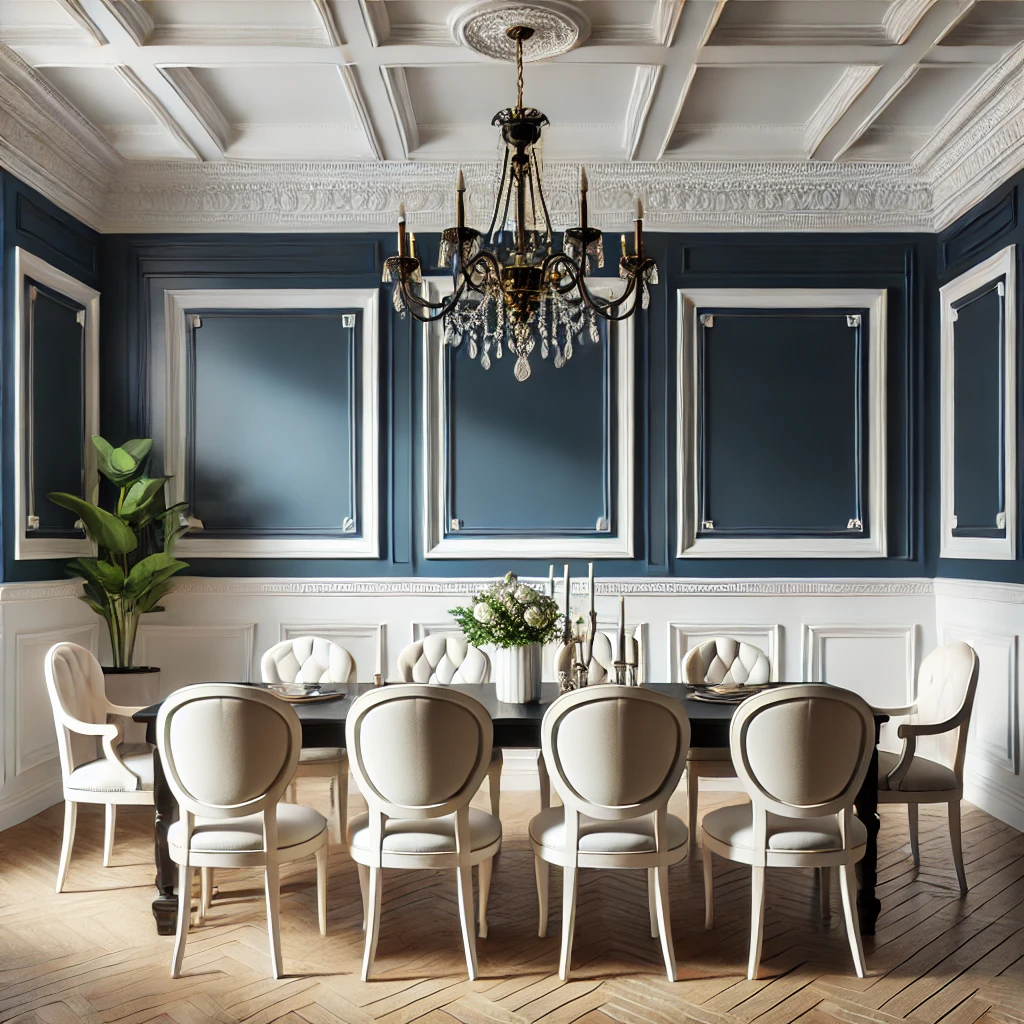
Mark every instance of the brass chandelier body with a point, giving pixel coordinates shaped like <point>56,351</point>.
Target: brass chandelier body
<point>511,287</point>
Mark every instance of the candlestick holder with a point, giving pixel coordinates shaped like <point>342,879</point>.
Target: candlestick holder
<point>582,646</point>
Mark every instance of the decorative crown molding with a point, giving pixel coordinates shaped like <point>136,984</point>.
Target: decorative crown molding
<point>558,26</point>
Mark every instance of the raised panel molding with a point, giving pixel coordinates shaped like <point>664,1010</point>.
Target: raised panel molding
<point>1000,266</point>
<point>690,543</point>
<point>682,637</point>
<point>197,654</point>
<point>366,642</point>
<point>35,740</point>
<point>364,544</point>
<point>995,720</point>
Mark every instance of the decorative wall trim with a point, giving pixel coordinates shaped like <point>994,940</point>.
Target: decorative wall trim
<point>440,543</point>
<point>1001,265</point>
<point>28,266</point>
<point>176,304</point>
<point>689,543</point>
<point>45,590</point>
<point>245,632</point>
<point>980,590</point>
<point>766,637</point>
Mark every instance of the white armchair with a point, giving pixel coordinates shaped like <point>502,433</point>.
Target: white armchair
<point>419,753</point>
<point>722,660</point>
<point>930,768</point>
<point>93,766</point>
<point>229,752</point>
<point>801,753</point>
<point>448,660</point>
<point>312,659</point>
<point>615,755</point>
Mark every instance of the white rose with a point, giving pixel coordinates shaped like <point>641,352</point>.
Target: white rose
<point>535,617</point>
<point>525,594</point>
<point>483,613</point>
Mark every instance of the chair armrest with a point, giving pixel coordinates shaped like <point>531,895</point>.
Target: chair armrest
<point>102,729</point>
<point>118,709</point>
<point>902,766</point>
<point>926,729</point>
<point>131,780</point>
<point>896,712</point>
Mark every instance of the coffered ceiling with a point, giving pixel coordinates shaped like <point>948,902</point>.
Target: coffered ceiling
<point>731,114</point>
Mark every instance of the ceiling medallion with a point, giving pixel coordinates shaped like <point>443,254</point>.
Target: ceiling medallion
<point>511,285</point>
<point>558,26</point>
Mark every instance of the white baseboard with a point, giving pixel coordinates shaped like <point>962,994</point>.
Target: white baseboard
<point>29,802</point>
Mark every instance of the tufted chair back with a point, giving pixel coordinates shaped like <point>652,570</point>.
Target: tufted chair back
<point>946,685</point>
<point>444,659</point>
<point>74,682</point>
<point>615,752</point>
<point>307,659</point>
<point>724,660</point>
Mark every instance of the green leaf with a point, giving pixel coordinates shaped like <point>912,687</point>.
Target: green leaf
<point>140,495</point>
<point>151,571</point>
<point>148,602</point>
<point>121,465</point>
<point>121,461</point>
<point>138,448</point>
<point>109,578</point>
<point>96,607</point>
<point>106,530</point>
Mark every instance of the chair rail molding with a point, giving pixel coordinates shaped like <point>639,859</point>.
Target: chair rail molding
<point>996,273</point>
<point>440,542</point>
<point>690,542</point>
<point>29,268</point>
<point>177,305</point>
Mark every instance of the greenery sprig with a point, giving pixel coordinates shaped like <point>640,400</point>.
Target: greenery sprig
<point>509,614</point>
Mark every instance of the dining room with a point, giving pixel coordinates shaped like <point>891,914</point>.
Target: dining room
<point>511,567</point>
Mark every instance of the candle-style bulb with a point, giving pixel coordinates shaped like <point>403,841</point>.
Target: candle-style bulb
<point>584,182</point>
<point>460,181</point>
<point>639,208</point>
<point>401,213</point>
<point>412,244</point>
<point>622,242</point>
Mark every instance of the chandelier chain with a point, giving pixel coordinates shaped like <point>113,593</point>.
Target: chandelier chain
<point>519,70</point>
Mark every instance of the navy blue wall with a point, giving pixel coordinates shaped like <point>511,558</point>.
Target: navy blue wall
<point>990,226</point>
<point>29,221</point>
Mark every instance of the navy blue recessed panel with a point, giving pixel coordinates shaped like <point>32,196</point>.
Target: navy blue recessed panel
<point>272,411</point>
<point>530,458</point>
<point>978,389</point>
<point>781,423</point>
<point>55,382</point>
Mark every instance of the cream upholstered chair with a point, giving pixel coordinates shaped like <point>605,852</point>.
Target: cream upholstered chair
<point>801,753</point>
<point>229,752</point>
<point>722,660</point>
<point>419,753</point>
<point>930,768</point>
<point>312,659</point>
<point>615,755</point>
<point>450,661</point>
<point>93,772</point>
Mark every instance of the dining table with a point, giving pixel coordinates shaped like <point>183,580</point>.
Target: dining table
<point>515,725</point>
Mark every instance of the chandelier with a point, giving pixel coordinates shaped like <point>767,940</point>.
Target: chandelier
<point>511,287</point>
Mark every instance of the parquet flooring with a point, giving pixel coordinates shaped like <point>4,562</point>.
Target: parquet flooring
<point>92,954</point>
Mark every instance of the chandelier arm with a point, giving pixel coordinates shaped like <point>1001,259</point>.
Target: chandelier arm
<point>415,302</point>
<point>497,201</point>
<point>482,260</point>
<point>601,307</point>
<point>543,201</point>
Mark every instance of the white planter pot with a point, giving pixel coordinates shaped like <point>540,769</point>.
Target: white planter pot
<point>518,674</point>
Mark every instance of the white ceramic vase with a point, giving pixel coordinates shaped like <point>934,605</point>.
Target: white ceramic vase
<point>517,680</point>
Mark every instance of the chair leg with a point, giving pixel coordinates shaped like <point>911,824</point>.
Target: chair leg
<point>272,879</point>
<point>569,873</point>
<point>205,891</point>
<point>109,823</point>
<point>652,908</point>
<point>70,820</point>
<point>184,913</point>
<point>824,888</point>
<point>915,851</point>
<point>709,889</point>
<point>543,782</point>
<point>321,888</point>
<point>341,801</point>
<point>542,873</point>
<point>464,882</point>
<point>848,887</point>
<point>955,842</point>
<point>484,872</point>
<point>364,888</point>
<point>494,788</point>
<point>692,784</point>
<point>661,896</point>
<point>756,921</point>
<point>372,919</point>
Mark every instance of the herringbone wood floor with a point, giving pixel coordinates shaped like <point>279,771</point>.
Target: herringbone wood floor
<point>92,953</point>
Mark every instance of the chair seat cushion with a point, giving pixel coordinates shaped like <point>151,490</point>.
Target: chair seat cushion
<point>732,825</point>
<point>924,776</point>
<point>315,755</point>
<point>709,754</point>
<point>425,835</point>
<point>634,835</point>
<point>103,776</point>
<point>295,824</point>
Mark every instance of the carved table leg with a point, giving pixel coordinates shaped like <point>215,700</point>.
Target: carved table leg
<point>165,906</point>
<point>866,804</point>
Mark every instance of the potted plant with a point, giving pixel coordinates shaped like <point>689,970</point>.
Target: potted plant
<point>135,559</point>
<point>518,620</point>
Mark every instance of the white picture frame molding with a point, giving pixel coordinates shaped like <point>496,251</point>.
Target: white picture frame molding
<point>438,545</point>
<point>1002,264</point>
<point>689,545</point>
<point>27,265</point>
<point>177,306</point>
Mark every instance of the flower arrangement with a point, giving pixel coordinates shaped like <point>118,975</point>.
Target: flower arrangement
<point>509,614</point>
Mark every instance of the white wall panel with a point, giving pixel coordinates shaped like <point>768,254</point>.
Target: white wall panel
<point>197,653</point>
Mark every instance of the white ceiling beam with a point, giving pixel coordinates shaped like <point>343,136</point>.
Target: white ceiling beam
<point>891,79</point>
<point>133,18</point>
<point>902,17</point>
<point>852,82</point>
<point>139,87</point>
<point>645,84</point>
<point>323,9</point>
<point>202,106</point>
<point>79,16</point>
